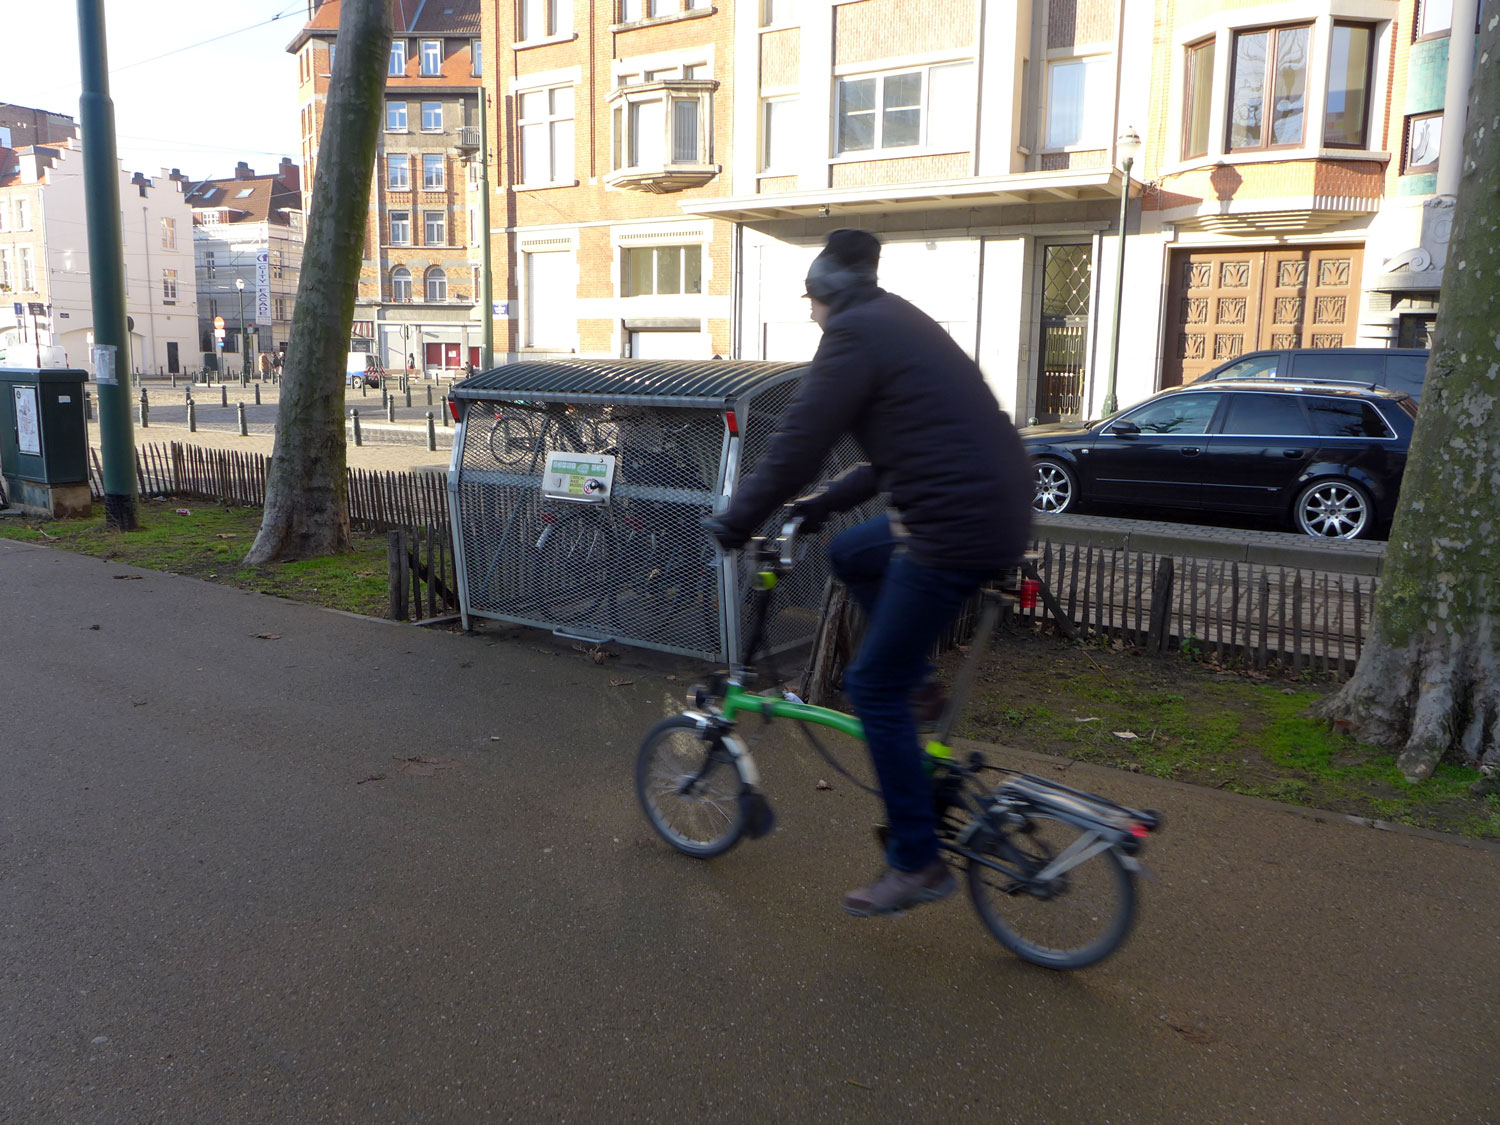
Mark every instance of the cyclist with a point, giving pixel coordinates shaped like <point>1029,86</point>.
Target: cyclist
<point>959,484</point>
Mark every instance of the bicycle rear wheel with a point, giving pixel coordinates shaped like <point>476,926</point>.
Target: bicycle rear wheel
<point>1067,920</point>
<point>689,788</point>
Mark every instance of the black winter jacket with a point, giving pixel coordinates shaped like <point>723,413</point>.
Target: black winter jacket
<point>935,438</point>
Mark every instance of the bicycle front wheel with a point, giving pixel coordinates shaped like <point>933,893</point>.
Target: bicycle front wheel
<point>1059,903</point>
<point>689,788</point>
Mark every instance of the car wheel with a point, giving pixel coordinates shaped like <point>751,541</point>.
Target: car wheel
<point>1334,509</point>
<point>1056,487</point>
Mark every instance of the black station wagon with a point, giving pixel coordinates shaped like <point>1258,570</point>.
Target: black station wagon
<point>1325,458</point>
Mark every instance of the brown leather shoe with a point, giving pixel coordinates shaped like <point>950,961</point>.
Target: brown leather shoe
<point>896,891</point>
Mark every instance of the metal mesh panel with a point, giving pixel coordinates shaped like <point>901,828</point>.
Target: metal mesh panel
<point>639,569</point>
<point>794,611</point>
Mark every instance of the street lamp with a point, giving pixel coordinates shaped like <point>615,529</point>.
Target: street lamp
<point>239,288</point>
<point>1127,145</point>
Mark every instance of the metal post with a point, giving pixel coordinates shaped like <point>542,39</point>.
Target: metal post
<point>239,291</point>
<point>257,394</point>
<point>431,432</point>
<point>408,395</point>
<point>428,388</point>
<point>354,415</point>
<point>145,410</point>
<point>192,408</point>
<point>1110,402</point>
<point>101,175</point>
<point>486,304</point>
<point>223,394</point>
<point>240,410</point>
<point>390,410</point>
<point>444,412</point>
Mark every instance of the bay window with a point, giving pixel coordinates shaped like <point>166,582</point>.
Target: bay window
<point>662,132</point>
<point>1268,88</point>
<point>1197,99</point>
<point>1346,111</point>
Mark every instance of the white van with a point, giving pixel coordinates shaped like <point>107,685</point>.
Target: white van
<point>49,357</point>
<point>363,367</point>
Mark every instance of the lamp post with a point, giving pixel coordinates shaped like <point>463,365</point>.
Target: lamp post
<point>1126,147</point>
<point>239,289</point>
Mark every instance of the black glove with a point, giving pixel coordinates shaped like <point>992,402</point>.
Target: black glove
<point>727,537</point>
<point>813,510</point>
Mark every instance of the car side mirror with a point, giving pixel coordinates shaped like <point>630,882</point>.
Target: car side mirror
<point>1125,429</point>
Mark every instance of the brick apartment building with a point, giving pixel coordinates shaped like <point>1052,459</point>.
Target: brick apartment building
<point>236,220</point>
<point>418,287</point>
<point>609,119</point>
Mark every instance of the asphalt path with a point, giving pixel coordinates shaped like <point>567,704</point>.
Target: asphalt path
<point>261,862</point>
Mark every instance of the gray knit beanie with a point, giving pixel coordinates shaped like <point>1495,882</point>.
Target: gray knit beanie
<point>848,258</point>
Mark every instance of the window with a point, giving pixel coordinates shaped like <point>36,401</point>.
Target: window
<point>432,58</point>
<point>1424,136</point>
<point>1347,108</point>
<point>631,10</point>
<point>398,171</point>
<point>779,131</point>
<point>550,321</point>
<point>1079,94</point>
<point>1268,88</point>
<point>662,269</point>
<point>1349,418</point>
<point>169,287</point>
<point>395,117</point>
<point>401,284</point>
<point>169,234</point>
<point>279,308</point>
<point>1197,99</point>
<point>400,228</point>
<point>210,269</point>
<point>546,128</point>
<point>1176,414</point>
<point>332,50</point>
<point>276,263</point>
<point>476,58</point>
<point>28,282</point>
<point>1252,367</point>
<point>4,218</point>
<point>437,285</point>
<point>1340,366</point>
<point>1434,17</point>
<point>773,12</point>
<point>695,5</point>
<point>23,214</point>
<point>1408,372</point>
<point>433,165</point>
<point>4,268</point>
<point>435,228</point>
<point>397,67</point>
<point>1269,415</point>
<point>932,107</point>
<point>541,19</point>
<point>432,117</point>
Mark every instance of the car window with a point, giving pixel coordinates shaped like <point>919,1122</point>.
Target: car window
<point>1406,373</point>
<point>1349,367</point>
<point>1176,414</point>
<point>1268,415</point>
<point>1338,417</point>
<point>1251,367</point>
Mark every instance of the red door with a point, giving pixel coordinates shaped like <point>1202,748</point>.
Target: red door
<point>434,356</point>
<point>452,356</point>
<point>474,357</point>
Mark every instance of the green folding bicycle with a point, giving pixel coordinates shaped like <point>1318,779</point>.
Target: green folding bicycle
<point>1051,870</point>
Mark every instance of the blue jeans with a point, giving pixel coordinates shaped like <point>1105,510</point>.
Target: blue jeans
<point>908,606</point>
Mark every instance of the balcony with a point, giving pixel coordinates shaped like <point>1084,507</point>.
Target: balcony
<point>468,139</point>
<point>663,135</point>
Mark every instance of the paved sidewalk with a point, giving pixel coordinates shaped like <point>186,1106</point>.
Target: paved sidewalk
<point>261,862</point>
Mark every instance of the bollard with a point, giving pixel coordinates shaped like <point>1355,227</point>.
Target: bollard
<point>244,378</point>
<point>385,394</point>
<point>428,389</point>
<point>145,410</point>
<point>223,394</point>
<point>390,411</point>
<point>257,394</point>
<point>174,381</point>
<point>187,396</point>
<point>88,407</point>
<point>364,389</point>
<point>240,410</point>
<point>431,432</point>
<point>358,440</point>
<point>444,412</point>
<point>192,415</point>
<point>408,395</point>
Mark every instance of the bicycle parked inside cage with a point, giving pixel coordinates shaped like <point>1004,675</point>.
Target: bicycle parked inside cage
<point>1051,870</point>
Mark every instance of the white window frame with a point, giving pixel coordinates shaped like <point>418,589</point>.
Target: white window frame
<point>666,86</point>
<point>23,214</point>
<point>433,49</point>
<point>767,166</point>
<point>442,228</point>
<point>435,278</point>
<point>401,160</point>
<point>560,159</point>
<point>1094,128</point>
<point>425,127</point>
<point>655,249</point>
<point>565,340</point>
<point>878,148</point>
<point>278,308</point>
<point>442,169</point>
<point>4,268</point>
<point>777,13</point>
<point>276,266</point>
<point>476,58</point>
<point>4,218</point>
<point>168,287</point>
<point>210,267</point>
<point>26,274</point>
<point>390,112</point>
<point>400,276</point>
<point>396,64</point>
<point>391,228</point>
<point>539,21</point>
<point>168,234</point>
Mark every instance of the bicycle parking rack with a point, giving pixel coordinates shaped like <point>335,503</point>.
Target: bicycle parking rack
<point>627,560</point>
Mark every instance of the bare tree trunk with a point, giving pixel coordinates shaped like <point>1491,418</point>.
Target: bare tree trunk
<point>1429,682</point>
<point>307,502</point>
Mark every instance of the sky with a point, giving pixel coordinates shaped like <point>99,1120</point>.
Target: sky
<point>202,108</point>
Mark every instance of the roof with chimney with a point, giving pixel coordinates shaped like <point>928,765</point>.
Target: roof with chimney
<point>408,17</point>
<point>247,197</point>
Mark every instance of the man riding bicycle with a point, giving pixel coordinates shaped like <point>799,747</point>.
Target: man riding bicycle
<point>959,483</point>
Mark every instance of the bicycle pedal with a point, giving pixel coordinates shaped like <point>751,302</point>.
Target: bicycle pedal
<point>759,818</point>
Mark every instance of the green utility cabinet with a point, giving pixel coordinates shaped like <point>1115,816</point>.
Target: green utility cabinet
<point>44,445</point>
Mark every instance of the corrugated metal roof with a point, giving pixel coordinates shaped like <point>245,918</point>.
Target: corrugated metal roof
<point>706,383</point>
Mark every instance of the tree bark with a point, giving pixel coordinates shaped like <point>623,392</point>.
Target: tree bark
<point>1429,682</point>
<point>307,502</point>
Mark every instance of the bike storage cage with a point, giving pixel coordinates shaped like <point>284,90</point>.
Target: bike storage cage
<point>577,488</point>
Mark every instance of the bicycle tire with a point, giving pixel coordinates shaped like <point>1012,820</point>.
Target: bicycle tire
<point>1098,894</point>
<point>512,440</point>
<point>674,753</point>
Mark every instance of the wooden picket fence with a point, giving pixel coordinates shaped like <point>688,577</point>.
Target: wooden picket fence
<point>422,571</point>
<point>1234,613</point>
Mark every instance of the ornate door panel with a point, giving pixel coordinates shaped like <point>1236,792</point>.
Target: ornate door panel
<point>1213,311</point>
<point>1067,277</point>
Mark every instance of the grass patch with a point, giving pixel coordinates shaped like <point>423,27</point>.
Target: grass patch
<point>1184,720</point>
<point>209,542</point>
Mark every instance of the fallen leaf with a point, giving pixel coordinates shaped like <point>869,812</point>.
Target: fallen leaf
<point>93,626</point>
<point>1090,719</point>
<point>1127,735</point>
<point>823,784</point>
<point>372,777</point>
<point>266,636</point>
<point>620,683</point>
<point>425,767</point>
<point>598,655</point>
<point>1199,1035</point>
<point>226,535</point>
<point>861,1085</point>
<point>126,577</point>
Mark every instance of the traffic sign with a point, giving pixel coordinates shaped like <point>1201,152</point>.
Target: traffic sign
<point>219,323</point>
<point>218,333</point>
